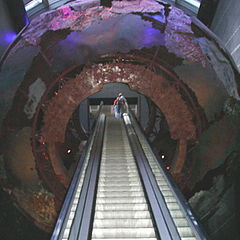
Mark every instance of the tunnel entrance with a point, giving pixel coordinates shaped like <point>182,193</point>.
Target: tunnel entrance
<point>136,102</point>
<point>162,87</point>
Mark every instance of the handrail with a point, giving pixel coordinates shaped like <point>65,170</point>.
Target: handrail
<point>83,220</point>
<point>165,227</point>
<point>98,114</point>
<point>70,193</point>
<point>179,196</point>
<point>61,221</point>
<point>100,108</point>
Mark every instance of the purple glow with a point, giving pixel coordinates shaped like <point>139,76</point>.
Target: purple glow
<point>158,17</point>
<point>65,19</point>
<point>66,12</point>
<point>26,20</point>
<point>9,37</point>
<point>152,36</point>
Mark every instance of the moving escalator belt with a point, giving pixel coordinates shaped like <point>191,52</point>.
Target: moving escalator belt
<point>122,193</point>
<point>121,210</point>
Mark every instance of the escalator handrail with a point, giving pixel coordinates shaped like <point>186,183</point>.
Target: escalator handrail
<point>98,113</point>
<point>61,221</point>
<point>82,226</point>
<point>100,109</point>
<point>165,227</point>
<point>190,216</point>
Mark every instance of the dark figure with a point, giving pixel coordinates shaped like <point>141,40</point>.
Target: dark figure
<point>119,105</point>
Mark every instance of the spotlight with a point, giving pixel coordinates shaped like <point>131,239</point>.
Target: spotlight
<point>69,150</point>
<point>163,156</point>
<point>168,167</point>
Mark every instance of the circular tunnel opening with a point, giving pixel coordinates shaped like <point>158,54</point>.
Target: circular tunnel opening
<point>63,118</point>
<point>64,155</point>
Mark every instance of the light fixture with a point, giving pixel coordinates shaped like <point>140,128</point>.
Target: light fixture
<point>32,4</point>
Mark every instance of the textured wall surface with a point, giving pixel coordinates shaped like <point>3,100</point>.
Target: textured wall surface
<point>226,25</point>
<point>66,55</point>
<point>7,32</point>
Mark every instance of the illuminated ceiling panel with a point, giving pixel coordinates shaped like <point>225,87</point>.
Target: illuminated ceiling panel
<point>31,4</point>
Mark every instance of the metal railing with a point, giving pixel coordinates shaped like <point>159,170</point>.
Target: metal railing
<point>198,232</point>
<point>165,227</point>
<point>76,217</point>
<point>78,184</point>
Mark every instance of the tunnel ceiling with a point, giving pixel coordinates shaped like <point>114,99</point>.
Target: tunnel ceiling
<point>67,54</point>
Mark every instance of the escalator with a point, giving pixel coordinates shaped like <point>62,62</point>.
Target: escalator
<point>120,191</point>
<point>121,210</point>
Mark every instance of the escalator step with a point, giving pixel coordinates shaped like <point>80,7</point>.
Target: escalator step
<point>127,239</point>
<point>120,194</point>
<point>118,180</point>
<point>121,214</point>
<point>114,147</point>
<point>74,207</point>
<point>116,155</point>
<point>117,163</point>
<point>69,223</point>
<point>167,193</point>
<point>159,175</point>
<point>122,152</point>
<point>66,233</point>
<point>119,184</point>
<point>118,168</point>
<point>119,188</point>
<point>173,206</point>
<point>185,238</point>
<point>164,188</point>
<point>177,214</point>
<point>118,171</point>
<point>120,175</point>
<point>170,199</point>
<point>160,179</point>
<point>161,183</point>
<point>122,207</point>
<point>119,200</point>
<point>123,232</point>
<point>185,232</point>
<point>71,215</point>
<point>75,201</point>
<point>181,222</point>
<point>117,160</point>
<point>122,223</point>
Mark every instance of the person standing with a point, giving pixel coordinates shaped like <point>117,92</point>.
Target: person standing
<point>119,105</point>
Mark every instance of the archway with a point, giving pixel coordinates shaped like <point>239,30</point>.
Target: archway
<point>167,91</point>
